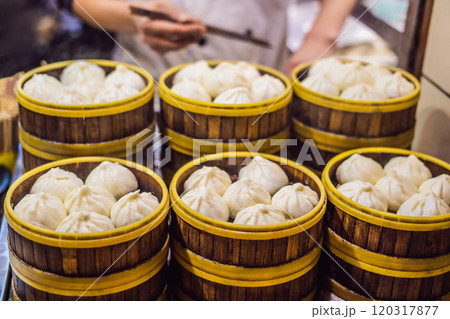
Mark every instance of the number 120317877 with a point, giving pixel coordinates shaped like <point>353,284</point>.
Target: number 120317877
<point>404,310</point>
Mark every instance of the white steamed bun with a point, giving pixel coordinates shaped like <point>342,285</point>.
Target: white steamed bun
<point>266,173</point>
<point>251,73</point>
<point>266,87</point>
<point>260,214</point>
<point>350,74</point>
<point>42,87</point>
<point>377,71</point>
<point>394,86</point>
<point>244,193</point>
<point>126,77</point>
<point>223,77</point>
<point>423,205</point>
<point>396,188</point>
<point>70,96</point>
<point>82,71</point>
<point>361,92</point>
<point>90,199</point>
<point>324,67</point>
<point>113,177</point>
<point>239,95</point>
<point>321,84</point>
<point>85,223</point>
<point>365,194</point>
<point>193,72</point>
<point>207,202</point>
<point>359,167</point>
<point>439,185</point>
<point>57,182</point>
<point>409,167</point>
<point>191,90</point>
<point>88,89</point>
<point>115,91</point>
<point>295,200</point>
<point>212,177</point>
<point>133,207</point>
<point>42,210</point>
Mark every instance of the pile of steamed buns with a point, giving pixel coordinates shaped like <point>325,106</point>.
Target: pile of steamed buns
<point>356,81</point>
<point>227,83</point>
<point>60,201</point>
<point>404,186</point>
<point>85,83</point>
<point>260,196</point>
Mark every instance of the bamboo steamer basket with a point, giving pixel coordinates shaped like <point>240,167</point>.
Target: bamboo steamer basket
<point>9,114</point>
<point>37,151</point>
<point>127,263</point>
<point>380,232</point>
<point>337,125</point>
<point>222,256</point>
<point>81,124</point>
<point>221,127</point>
<point>354,270</point>
<point>392,257</point>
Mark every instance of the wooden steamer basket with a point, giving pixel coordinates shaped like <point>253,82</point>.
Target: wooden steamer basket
<point>337,125</point>
<point>50,132</point>
<point>215,260</point>
<point>9,115</point>
<point>220,127</point>
<point>391,257</point>
<point>127,263</point>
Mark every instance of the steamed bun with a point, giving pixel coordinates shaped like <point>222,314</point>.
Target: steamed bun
<point>223,77</point>
<point>90,199</point>
<point>42,210</point>
<point>70,96</point>
<point>125,76</point>
<point>396,188</point>
<point>115,91</point>
<point>266,173</point>
<point>260,214</point>
<point>42,87</point>
<point>212,177</point>
<point>365,194</point>
<point>114,178</point>
<point>361,92</point>
<point>193,72</point>
<point>133,207</point>
<point>321,84</point>
<point>85,223</point>
<point>207,202</point>
<point>239,95</point>
<point>439,185</point>
<point>423,205</point>
<point>266,87</point>
<point>394,86</point>
<point>82,71</point>
<point>350,74</point>
<point>409,167</point>
<point>57,182</point>
<point>295,200</point>
<point>191,90</point>
<point>244,193</point>
<point>361,168</point>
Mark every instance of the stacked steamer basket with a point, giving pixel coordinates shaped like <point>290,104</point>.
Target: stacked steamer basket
<point>50,132</point>
<point>9,114</point>
<point>383,255</point>
<point>207,128</point>
<point>126,263</point>
<point>337,125</point>
<point>217,260</point>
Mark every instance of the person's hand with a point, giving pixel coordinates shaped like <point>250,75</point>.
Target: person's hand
<point>163,36</point>
<point>312,48</point>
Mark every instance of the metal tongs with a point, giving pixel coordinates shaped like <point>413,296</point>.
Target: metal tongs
<point>154,15</point>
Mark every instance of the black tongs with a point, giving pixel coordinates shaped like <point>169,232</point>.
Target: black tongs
<point>154,15</point>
